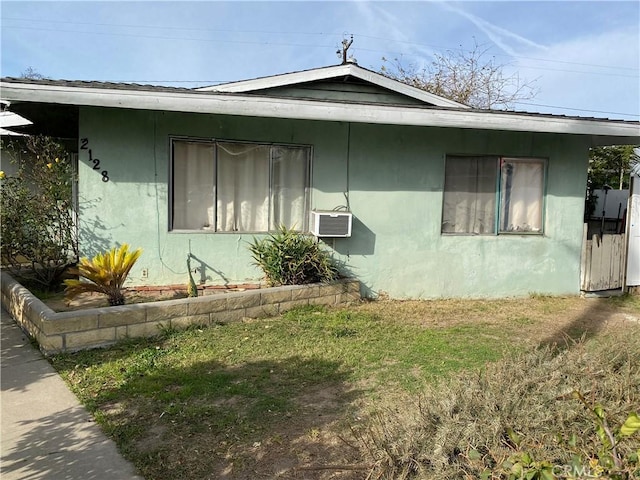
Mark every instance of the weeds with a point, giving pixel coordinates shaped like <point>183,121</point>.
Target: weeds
<point>519,418</point>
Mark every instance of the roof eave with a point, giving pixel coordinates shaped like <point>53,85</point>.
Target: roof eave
<point>303,109</point>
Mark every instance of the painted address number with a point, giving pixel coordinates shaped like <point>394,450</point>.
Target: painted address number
<point>84,145</point>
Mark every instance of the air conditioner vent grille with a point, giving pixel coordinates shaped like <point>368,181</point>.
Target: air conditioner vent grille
<point>331,224</point>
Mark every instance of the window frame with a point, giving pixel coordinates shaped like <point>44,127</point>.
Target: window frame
<point>214,143</point>
<point>498,214</point>
<point>543,195</point>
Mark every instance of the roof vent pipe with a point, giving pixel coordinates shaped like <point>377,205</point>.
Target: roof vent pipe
<point>345,46</point>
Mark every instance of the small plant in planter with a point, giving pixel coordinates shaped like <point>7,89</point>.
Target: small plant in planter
<point>104,273</point>
<point>192,288</point>
<point>288,257</point>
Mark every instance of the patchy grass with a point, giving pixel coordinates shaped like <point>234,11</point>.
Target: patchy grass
<point>277,397</point>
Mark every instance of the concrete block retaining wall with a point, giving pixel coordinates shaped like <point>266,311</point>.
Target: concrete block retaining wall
<point>58,332</point>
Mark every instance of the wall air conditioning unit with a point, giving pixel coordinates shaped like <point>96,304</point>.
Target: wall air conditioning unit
<point>330,223</point>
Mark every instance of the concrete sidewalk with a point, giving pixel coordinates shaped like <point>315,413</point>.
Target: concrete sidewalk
<point>45,432</point>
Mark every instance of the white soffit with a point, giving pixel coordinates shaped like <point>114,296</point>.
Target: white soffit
<point>328,73</point>
<point>10,119</point>
<point>303,109</point>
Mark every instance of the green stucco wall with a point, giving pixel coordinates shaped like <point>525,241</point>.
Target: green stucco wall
<point>393,177</point>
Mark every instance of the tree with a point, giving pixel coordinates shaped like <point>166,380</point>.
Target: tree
<point>472,78</point>
<point>611,166</point>
<point>32,74</point>
<point>38,227</point>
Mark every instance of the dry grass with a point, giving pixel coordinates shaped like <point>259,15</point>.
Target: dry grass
<point>280,397</point>
<point>470,425</point>
<point>527,321</point>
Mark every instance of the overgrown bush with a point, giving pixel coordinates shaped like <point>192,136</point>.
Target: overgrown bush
<point>104,273</point>
<point>37,220</point>
<point>542,415</point>
<point>288,257</point>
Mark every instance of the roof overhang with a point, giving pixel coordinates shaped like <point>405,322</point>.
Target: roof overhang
<point>11,124</point>
<point>60,121</point>
<point>603,132</point>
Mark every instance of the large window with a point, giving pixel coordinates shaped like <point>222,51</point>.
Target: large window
<point>489,194</point>
<point>239,187</point>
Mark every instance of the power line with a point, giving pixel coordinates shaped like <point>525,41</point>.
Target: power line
<point>158,37</point>
<point>505,55</point>
<point>294,33</point>
<point>266,43</point>
<point>281,44</point>
<point>168,27</point>
<point>635,115</point>
<point>531,67</point>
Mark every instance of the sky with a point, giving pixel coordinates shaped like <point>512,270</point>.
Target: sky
<point>582,57</point>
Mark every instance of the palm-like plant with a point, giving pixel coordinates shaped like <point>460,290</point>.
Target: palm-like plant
<point>288,257</point>
<point>104,273</point>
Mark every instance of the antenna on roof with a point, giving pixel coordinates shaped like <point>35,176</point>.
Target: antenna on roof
<point>345,46</point>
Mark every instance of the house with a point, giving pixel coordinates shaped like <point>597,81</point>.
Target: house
<point>447,201</point>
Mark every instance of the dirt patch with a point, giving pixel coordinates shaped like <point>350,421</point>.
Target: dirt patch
<point>58,303</point>
<point>309,443</point>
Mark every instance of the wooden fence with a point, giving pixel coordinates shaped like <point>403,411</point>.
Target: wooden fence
<point>603,262</point>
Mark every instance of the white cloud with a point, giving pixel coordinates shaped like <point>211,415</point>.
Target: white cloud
<point>599,73</point>
<point>507,40</point>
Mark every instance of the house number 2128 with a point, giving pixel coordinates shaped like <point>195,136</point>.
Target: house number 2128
<point>84,145</point>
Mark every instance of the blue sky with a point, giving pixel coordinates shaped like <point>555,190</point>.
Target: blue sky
<point>583,57</point>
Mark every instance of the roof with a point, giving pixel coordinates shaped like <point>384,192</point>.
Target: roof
<point>342,72</point>
<point>10,120</point>
<point>60,93</point>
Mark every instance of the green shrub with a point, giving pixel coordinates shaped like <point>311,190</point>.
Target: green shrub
<point>291,258</point>
<point>37,220</point>
<point>541,415</point>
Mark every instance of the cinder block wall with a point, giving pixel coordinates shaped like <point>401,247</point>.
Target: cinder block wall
<point>69,331</point>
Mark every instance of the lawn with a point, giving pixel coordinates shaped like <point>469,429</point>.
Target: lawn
<point>280,397</point>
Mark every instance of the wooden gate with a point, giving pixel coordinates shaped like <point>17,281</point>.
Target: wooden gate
<point>603,262</point>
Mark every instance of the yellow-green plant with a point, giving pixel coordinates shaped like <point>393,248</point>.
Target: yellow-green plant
<point>104,273</point>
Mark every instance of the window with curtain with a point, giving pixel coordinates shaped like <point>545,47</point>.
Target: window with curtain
<point>469,195</point>
<point>490,194</point>
<point>239,187</point>
<point>521,191</point>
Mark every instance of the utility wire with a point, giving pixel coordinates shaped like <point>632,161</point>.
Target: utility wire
<point>267,43</point>
<point>635,115</point>
<point>616,67</point>
<point>169,27</point>
<point>386,40</point>
<point>283,44</point>
<point>158,37</point>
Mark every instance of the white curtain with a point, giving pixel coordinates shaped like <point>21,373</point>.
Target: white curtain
<point>469,204</point>
<point>290,172</point>
<point>521,195</point>
<point>192,186</point>
<point>242,187</point>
